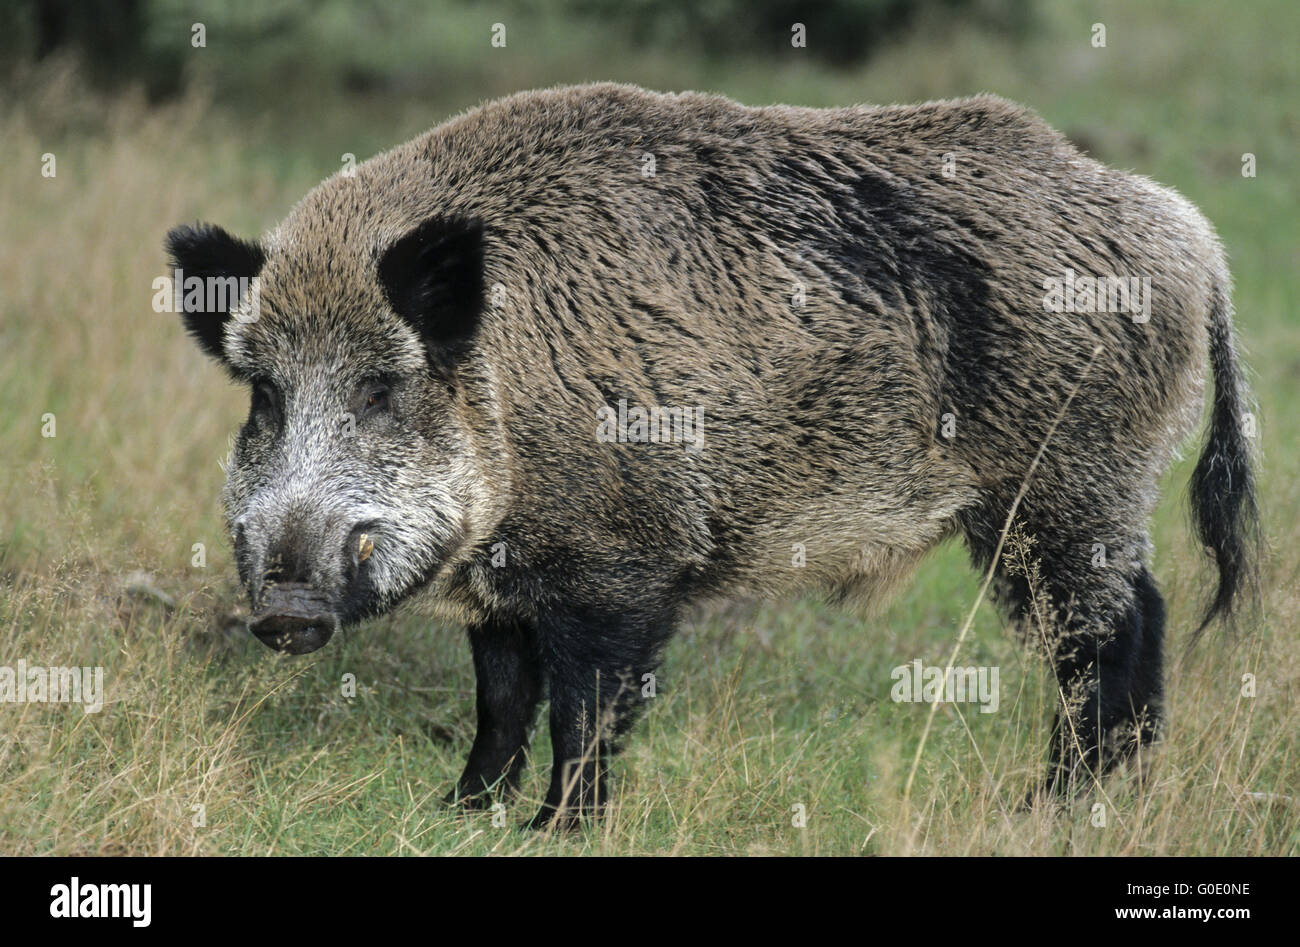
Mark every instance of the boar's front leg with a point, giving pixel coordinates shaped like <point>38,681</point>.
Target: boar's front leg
<point>508,672</point>
<point>597,670</point>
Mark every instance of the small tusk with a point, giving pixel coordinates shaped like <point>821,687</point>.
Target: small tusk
<point>364,547</point>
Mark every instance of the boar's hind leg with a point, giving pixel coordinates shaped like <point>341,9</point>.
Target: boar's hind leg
<point>1111,678</point>
<point>595,669</point>
<point>508,673</point>
<point>1097,615</point>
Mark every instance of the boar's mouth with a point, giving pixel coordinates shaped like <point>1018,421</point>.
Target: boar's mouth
<point>294,618</point>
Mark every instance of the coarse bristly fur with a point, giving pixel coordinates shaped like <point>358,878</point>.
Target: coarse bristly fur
<point>852,301</point>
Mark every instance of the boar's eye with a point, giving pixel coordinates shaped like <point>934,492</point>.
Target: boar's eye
<point>376,399</point>
<point>266,403</point>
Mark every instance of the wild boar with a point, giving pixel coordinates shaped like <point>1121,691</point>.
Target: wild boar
<point>580,358</point>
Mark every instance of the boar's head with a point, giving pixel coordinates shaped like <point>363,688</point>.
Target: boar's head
<point>353,481</point>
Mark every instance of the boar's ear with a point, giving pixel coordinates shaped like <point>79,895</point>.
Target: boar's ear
<point>433,278</point>
<point>209,252</point>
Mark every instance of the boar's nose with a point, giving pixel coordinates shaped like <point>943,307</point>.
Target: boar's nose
<point>295,618</point>
<point>290,558</point>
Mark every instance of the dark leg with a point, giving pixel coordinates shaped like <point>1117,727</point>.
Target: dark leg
<point>508,671</point>
<point>1149,685</point>
<point>1101,623</point>
<point>1112,682</point>
<point>595,667</point>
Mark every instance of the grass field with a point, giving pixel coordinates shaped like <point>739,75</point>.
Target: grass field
<point>762,708</point>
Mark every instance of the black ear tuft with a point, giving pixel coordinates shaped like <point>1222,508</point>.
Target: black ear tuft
<point>209,253</point>
<point>433,278</point>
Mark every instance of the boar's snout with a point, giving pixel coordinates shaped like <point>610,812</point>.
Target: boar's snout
<point>304,588</point>
<point>295,619</point>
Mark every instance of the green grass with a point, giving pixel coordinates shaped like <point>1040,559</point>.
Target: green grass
<point>760,708</point>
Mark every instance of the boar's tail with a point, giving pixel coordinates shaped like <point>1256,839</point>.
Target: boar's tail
<point>1223,502</point>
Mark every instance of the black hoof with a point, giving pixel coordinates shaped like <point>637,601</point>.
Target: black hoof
<point>460,799</point>
<point>548,819</point>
